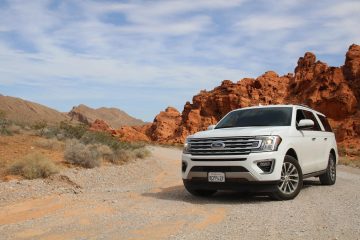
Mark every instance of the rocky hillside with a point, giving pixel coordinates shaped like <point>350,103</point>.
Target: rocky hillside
<point>22,111</point>
<point>116,118</point>
<point>334,91</point>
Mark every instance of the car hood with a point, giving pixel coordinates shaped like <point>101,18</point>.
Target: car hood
<point>241,132</point>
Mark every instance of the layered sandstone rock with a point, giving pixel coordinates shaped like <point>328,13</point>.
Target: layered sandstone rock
<point>334,91</point>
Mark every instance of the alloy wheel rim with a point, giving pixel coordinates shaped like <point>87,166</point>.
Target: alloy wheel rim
<point>289,180</point>
<point>332,170</point>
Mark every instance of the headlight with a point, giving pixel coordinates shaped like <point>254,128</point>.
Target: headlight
<point>269,143</point>
<point>186,146</point>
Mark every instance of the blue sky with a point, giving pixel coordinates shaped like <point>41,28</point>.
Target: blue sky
<point>142,56</point>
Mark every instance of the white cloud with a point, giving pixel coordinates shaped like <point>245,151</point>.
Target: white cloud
<point>260,24</point>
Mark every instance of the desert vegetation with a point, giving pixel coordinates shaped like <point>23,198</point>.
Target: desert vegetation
<point>71,144</point>
<point>349,156</point>
<point>33,166</point>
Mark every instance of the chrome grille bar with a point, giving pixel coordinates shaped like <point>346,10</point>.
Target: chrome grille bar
<point>232,146</point>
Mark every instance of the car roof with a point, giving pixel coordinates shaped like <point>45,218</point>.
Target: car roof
<point>281,105</point>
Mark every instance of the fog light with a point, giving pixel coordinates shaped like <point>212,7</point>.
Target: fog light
<point>266,165</point>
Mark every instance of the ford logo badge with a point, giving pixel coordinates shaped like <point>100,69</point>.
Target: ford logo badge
<point>218,145</point>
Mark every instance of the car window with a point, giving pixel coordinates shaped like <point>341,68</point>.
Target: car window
<point>325,123</point>
<point>255,117</point>
<point>299,116</point>
<point>310,115</point>
<point>304,114</point>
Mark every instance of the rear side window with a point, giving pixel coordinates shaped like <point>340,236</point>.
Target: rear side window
<point>303,114</point>
<point>325,123</point>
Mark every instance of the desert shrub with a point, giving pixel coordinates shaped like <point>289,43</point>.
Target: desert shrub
<point>80,154</point>
<point>33,166</point>
<point>4,123</point>
<point>353,162</point>
<point>141,153</point>
<point>92,137</point>
<point>72,131</point>
<point>121,156</point>
<point>51,144</point>
<point>105,152</point>
<point>342,151</point>
<point>14,128</point>
<point>40,127</point>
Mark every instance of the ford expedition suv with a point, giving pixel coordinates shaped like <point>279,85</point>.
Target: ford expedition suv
<point>268,149</point>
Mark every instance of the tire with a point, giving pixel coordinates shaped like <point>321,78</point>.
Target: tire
<point>329,177</point>
<point>199,192</point>
<point>291,180</point>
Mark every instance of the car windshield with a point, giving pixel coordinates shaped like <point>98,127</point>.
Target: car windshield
<point>271,116</point>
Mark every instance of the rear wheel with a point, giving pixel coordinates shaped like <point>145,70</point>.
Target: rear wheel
<point>329,177</point>
<point>291,180</point>
<point>198,192</point>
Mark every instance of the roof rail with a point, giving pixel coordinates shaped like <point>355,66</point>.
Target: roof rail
<point>304,105</point>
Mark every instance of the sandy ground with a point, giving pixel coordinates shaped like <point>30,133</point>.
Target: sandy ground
<point>145,199</point>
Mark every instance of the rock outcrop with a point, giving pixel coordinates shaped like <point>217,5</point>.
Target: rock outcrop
<point>335,91</point>
<point>114,117</point>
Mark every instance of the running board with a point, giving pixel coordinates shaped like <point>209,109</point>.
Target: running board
<point>314,174</point>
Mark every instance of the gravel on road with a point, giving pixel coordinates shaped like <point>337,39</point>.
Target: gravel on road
<point>145,199</point>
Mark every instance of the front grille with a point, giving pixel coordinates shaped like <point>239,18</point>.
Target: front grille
<point>217,159</point>
<point>218,169</point>
<point>223,146</point>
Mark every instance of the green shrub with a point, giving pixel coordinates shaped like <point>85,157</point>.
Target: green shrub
<point>40,126</point>
<point>33,166</point>
<point>72,131</point>
<point>80,154</point>
<point>104,138</point>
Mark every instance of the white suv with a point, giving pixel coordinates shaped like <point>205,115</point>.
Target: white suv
<point>268,149</point>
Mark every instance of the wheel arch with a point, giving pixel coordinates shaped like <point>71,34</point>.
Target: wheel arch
<point>332,151</point>
<point>292,152</point>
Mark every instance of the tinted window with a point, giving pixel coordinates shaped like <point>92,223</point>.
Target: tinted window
<point>303,114</point>
<point>274,116</point>
<point>325,123</point>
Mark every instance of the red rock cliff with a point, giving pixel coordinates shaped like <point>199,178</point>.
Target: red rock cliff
<point>335,91</point>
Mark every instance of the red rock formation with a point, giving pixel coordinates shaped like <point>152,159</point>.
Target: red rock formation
<point>101,126</point>
<point>335,91</point>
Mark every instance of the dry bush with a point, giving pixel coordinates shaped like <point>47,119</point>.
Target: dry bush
<point>14,129</point>
<point>142,153</point>
<point>33,166</point>
<point>121,156</point>
<point>105,152</point>
<point>353,162</point>
<point>80,154</point>
<point>50,144</point>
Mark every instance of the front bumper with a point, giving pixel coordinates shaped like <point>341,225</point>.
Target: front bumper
<point>243,186</point>
<point>238,169</point>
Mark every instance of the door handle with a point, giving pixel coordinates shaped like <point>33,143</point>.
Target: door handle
<point>325,139</point>
<point>313,139</point>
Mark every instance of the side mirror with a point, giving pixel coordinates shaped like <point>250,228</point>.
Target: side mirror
<point>305,124</point>
<point>211,127</point>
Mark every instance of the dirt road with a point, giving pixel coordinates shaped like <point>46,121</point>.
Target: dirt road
<point>146,200</point>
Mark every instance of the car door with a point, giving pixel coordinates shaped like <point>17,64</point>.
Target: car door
<point>307,142</point>
<point>326,136</point>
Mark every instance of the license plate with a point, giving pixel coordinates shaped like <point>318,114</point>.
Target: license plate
<point>216,177</point>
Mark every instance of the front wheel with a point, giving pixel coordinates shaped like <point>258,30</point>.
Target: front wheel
<point>329,177</point>
<point>291,180</point>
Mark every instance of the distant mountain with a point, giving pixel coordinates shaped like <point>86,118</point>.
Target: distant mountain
<point>23,111</point>
<point>115,117</point>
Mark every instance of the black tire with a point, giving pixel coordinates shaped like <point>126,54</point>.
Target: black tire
<point>198,192</point>
<point>329,177</point>
<point>291,180</point>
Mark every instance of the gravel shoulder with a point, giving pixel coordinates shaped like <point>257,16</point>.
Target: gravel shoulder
<point>145,199</point>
